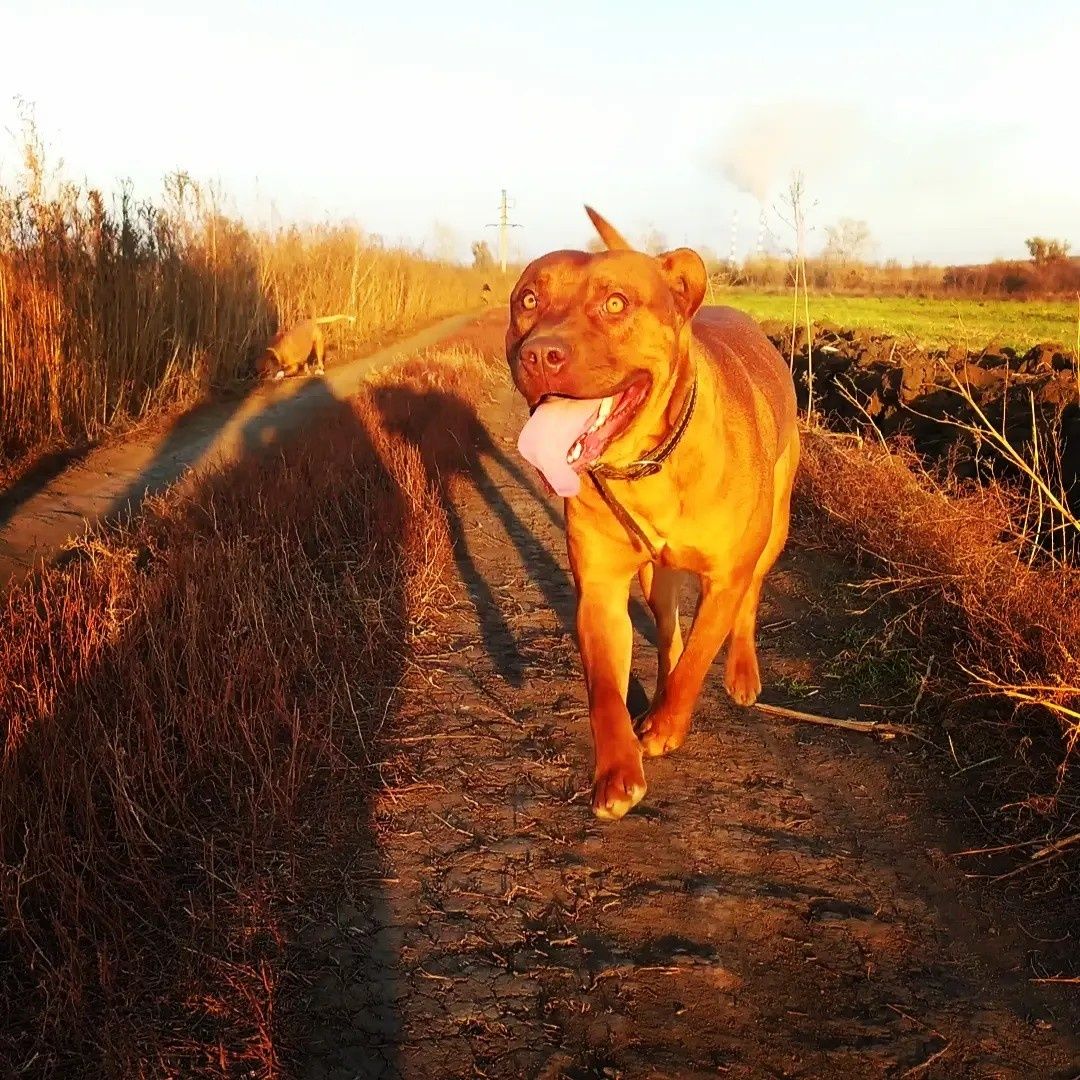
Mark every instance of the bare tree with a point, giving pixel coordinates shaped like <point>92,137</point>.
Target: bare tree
<point>655,242</point>
<point>794,216</point>
<point>848,241</point>
<point>1043,251</point>
<point>482,259</point>
<point>444,242</point>
<point>709,256</point>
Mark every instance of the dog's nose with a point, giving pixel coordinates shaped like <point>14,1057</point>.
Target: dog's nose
<point>544,352</point>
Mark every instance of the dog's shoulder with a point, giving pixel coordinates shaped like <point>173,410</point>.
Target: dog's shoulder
<point>748,369</point>
<point>721,329</point>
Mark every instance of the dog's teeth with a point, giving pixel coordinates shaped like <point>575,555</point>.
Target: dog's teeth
<point>575,453</point>
<point>602,414</point>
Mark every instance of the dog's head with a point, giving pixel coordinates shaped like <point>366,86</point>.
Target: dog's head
<point>609,330</point>
<point>268,366</point>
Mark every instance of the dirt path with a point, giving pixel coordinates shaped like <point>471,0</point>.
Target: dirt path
<point>779,905</point>
<point>39,513</point>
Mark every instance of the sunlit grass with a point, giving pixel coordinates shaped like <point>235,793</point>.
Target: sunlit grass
<point>938,323</point>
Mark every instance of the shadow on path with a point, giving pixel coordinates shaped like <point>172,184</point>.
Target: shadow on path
<point>401,406</point>
<point>223,729</point>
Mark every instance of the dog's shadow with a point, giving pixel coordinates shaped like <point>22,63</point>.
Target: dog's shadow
<point>460,427</point>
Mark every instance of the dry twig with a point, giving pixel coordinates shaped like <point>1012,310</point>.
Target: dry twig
<point>868,727</point>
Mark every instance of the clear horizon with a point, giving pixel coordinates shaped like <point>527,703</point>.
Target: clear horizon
<point>950,131</point>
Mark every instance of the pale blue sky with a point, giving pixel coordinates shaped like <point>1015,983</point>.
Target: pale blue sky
<point>950,127</point>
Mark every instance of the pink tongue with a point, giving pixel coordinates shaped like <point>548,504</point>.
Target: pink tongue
<point>546,440</point>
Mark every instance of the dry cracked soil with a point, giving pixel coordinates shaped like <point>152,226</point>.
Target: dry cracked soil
<point>782,904</point>
<point>785,902</point>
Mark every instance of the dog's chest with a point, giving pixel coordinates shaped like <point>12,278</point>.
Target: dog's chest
<point>705,527</point>
<point>680,555</point>
<point>674,531</point>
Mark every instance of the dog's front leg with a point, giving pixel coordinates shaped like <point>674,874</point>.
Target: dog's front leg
<point>605,639</point>
<point>668,721</point>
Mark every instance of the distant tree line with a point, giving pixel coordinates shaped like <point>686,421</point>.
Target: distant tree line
<point>845,264</point>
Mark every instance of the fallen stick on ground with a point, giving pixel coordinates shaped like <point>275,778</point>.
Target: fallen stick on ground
<point>869,727</point>
<point>1056,846</point>
<point>1042,856</point>
<point>928,1062</point>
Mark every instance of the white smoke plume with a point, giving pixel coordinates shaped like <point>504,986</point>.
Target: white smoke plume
<point>768,142</point>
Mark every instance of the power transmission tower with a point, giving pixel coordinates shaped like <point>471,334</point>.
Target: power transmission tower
<point>504,224</point>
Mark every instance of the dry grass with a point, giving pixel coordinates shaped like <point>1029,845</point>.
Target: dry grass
<point>109,314</point>
<point>174,699</point>
<point>998,628</point>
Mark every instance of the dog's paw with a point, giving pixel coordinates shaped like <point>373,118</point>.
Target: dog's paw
<point>661,732</point>
<point>619,786</point>
<point>742,679</point>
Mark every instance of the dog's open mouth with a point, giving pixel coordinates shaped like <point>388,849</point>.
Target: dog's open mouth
<point>611,419</point>
<point>565,435</point>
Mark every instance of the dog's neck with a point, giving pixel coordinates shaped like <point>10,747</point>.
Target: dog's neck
<point>651,461</point>
<point>663,420</point>
<point>682,386</point>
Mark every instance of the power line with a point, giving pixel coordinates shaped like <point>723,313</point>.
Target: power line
<point>504,225</point>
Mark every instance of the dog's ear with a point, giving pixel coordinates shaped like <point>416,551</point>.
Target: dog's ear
<point>613,240</point>
<point>684,270</point>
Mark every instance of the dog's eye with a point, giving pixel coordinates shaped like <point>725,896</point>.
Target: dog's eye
<point>528,300</point>
<point>615,304</point>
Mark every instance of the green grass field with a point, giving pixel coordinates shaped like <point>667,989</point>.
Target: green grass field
<point>974,324</point>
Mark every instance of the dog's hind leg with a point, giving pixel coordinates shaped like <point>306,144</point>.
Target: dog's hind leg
<point>668,721</point>
<point>728,606</point>
<point>742,678</point>
<point>660,586</point>
<point>319,350</point>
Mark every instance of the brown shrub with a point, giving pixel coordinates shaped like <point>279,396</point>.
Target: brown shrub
<point>1003,623</point>
<point>774,273</point>
<point>1015,278</point>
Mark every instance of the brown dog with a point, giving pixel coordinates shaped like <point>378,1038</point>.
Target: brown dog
<point>294,348</point>
<point>676,427</point>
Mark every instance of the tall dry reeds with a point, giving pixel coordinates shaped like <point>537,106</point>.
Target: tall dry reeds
<point>113,310</point>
